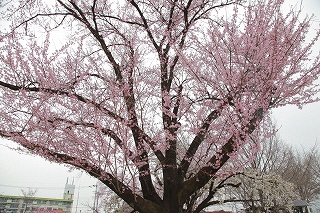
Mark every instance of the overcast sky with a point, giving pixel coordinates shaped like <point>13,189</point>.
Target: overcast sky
<point>299,127</point>
<point>20,171</point>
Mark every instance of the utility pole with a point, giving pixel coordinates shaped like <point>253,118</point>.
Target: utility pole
<point>78,200</point>
<point>95,201</point>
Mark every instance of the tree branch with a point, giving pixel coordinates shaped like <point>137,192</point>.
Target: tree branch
<point>145,24</point>
<point>198,139</point>
<point>111,114</point>
<point>218,160</point>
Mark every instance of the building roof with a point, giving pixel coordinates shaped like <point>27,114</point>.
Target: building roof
<point>300,203</point>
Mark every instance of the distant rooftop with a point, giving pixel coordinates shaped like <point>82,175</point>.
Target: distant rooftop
<point>300,203</point>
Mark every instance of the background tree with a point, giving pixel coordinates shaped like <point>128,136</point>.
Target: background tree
<point>273,156</point>
<point>293,165</point>
<point>260,186</point>
<point>304,174</point>
<point>28,197</point>
<point>139,89</point>
<point>287,165</point>
<point>260,192</point>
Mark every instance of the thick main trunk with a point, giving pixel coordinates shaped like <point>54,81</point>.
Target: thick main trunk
<point>170,197</point>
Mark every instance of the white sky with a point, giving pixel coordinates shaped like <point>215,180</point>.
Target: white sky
<point>301,128</point>
<point>20,171</point>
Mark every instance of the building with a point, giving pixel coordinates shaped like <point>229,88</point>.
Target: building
<point>24,204</point>
<point>301,206</point>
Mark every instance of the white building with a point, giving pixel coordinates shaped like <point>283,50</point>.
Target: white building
<point>24,204</point>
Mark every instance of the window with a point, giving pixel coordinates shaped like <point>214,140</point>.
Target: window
<point>14,206</point>
<point>2,199</point>
<point>42,201</point>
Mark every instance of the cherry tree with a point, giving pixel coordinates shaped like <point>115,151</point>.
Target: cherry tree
<point>298,167</point>
<point>263,192</point>
<point>152,98</point>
